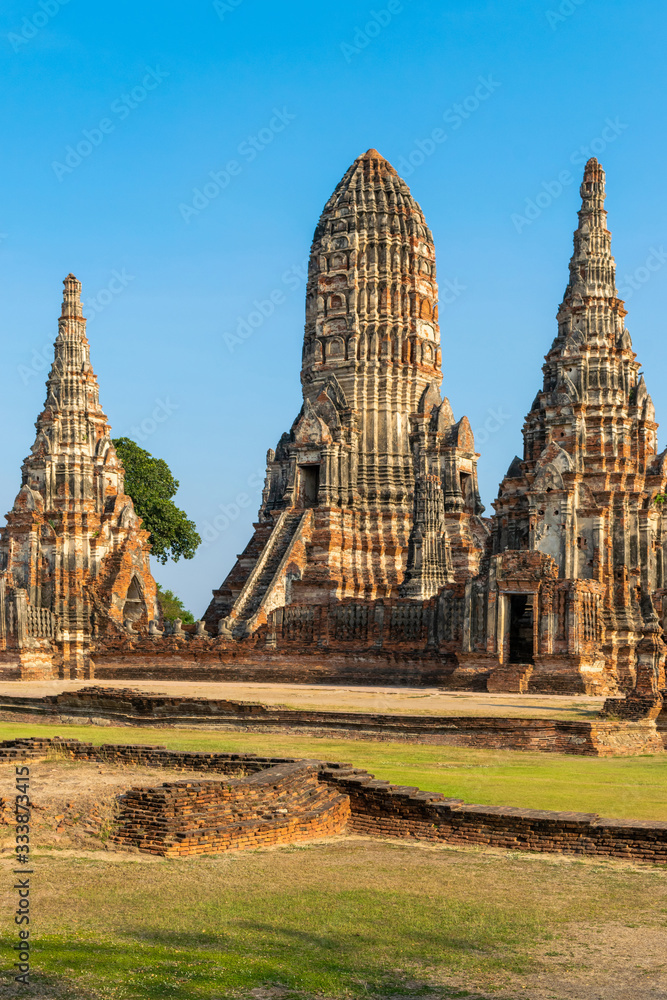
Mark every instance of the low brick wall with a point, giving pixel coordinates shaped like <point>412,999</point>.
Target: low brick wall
<point>189,817</point>
<point>282,805</point>
<point>378,808</point>
<point>208,660</point>
<point>144,755</point>
<point>600,738</point>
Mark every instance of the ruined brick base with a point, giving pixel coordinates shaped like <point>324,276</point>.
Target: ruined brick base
<point>282,805</point>
<point>287,800</point>
<point>118,706</point>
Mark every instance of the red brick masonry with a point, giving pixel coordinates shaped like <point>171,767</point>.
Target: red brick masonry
<point>318,799</point>
<point>600,738</point>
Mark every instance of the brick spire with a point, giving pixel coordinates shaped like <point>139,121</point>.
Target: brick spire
<point>592,267</point>
<point>73,432</point>
<point>583,493</point>
<point>73,544</point>
<point>593,405</point>
<point>372,425</point>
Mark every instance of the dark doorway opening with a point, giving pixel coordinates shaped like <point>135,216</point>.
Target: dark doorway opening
<point>310,479</point>
<point>465,479</point>
<point>521,628</point>
<point>135,606</point>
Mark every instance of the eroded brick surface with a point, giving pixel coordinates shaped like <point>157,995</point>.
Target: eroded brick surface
<point>74,558</point>
<point>287,800</point>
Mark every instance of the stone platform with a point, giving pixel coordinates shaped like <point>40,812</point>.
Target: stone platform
<point>127,707</point>
<point>284,800</point>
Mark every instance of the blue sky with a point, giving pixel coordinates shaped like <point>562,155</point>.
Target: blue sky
<point>114,116</point>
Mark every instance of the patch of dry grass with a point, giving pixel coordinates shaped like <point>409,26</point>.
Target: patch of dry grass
<point>349,918</point>
<point>623,787</point>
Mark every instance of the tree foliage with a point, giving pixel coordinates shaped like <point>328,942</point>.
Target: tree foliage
<point>151,485</point>
<point>173,607</point>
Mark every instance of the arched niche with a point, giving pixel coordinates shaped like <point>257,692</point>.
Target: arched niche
<point>135,605</point>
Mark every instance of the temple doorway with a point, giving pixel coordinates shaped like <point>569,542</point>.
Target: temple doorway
<point>310,484</point>
<point>521,628</point>
<point>135,606</point>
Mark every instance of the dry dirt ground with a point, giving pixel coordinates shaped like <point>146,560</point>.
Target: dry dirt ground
<point>408,701</point>
<point>608,957</point>
<point>595,949</point>
<point>73,801</point>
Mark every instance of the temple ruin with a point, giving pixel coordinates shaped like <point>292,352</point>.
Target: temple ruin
<point>74,560</point>
<point>372,494</point>
<point>371,560</point>
<point>371,508</point>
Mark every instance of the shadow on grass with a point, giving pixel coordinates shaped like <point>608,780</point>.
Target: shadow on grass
<point>281,962</point>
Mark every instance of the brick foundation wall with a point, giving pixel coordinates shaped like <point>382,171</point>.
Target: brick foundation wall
<point>197,817</point>
<point>155,756</point>
<point>599,738</point>
<point>283,804</point>
<point>378,808</point>
<point>208,660</point>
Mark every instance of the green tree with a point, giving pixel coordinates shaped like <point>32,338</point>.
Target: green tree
<point>151,485</point>
<point>173,607</point>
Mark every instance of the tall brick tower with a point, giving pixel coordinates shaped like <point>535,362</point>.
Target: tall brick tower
<point>579,543</point>
<point>337,513</point>
<point>74,559</point>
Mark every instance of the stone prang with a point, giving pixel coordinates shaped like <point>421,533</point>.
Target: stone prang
<point>74,558</point>
<point>374,442</point>
<point>573,588</point>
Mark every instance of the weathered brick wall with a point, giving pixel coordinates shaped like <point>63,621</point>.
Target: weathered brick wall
<point>283,804</point>
<point>197,659</point>
<point>602,737</point>
<point>159,756</point>
<point>378,808</point>
<point>187,817</point>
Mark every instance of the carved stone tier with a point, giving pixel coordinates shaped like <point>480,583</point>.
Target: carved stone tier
<point>74,560</point>
<point>372,424</point>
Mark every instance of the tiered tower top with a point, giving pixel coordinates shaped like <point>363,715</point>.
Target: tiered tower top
<point>371,295</point>
<point>592,404</point>
<point>73,432</point>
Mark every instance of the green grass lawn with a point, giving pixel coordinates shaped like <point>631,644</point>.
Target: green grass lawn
<point>623,787</point>
<point>352,918</point>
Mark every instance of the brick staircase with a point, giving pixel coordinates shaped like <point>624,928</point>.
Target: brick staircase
<point>510,678</point>
<point>259,582</point>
